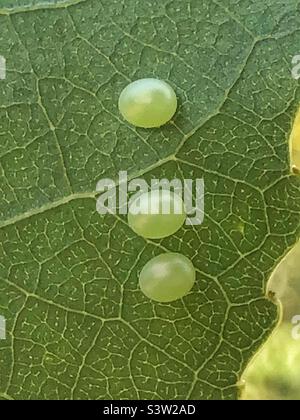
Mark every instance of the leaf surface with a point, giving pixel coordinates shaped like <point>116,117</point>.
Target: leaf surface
<point>78,326</point>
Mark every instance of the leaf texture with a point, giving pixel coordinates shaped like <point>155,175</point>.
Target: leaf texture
<point>78,326</point>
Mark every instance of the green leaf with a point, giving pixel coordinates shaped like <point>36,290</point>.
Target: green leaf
<point>15,6</point>
<point>78,326</point>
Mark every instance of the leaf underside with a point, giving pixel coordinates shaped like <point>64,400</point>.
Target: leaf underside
<point>78,326</point>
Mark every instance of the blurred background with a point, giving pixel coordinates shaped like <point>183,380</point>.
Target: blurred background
<point>275,372</point>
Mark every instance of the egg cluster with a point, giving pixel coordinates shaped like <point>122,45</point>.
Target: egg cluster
<point>151,103</point>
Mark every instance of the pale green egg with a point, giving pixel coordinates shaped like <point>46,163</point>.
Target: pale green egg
<point>167,277</point>
<point>148,103</point>
<point>156,214</point>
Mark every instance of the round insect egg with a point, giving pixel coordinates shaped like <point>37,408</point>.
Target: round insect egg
<point>148,103</point>
<point>167,277</point>
<point>156,214</point>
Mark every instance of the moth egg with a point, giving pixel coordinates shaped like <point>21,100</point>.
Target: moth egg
<point>167,277</point>
<point>148,103</point>
<point>156,214</point>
